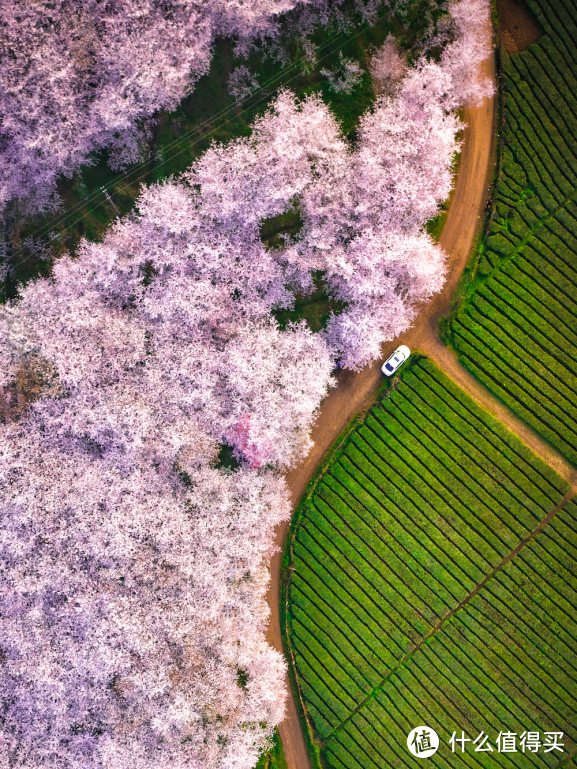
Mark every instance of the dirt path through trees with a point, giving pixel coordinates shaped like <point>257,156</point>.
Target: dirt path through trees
<point>355,392</point>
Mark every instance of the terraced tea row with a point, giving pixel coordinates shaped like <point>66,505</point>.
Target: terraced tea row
<point>419,589</point>
<point>516,328</point>
<point>499,665</point>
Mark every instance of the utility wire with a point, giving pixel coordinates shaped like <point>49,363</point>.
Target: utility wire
<point>126,178</point>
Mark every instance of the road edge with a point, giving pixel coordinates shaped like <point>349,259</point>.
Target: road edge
<point>277,593</point>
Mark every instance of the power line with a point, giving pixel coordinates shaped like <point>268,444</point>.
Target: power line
<point>126,178</point>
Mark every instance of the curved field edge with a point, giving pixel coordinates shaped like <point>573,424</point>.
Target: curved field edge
<point>314,743</point>
<point>513,320</point>
<point>284,582</point>
<point>332,454</point>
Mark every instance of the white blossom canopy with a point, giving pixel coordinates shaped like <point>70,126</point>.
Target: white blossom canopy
<point>133,566</point>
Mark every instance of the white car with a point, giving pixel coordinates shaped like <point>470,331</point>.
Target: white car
<point>396,360</point>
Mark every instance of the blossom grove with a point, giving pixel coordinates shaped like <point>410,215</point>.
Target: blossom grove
<point>77,75</point>
<point>134,564</point>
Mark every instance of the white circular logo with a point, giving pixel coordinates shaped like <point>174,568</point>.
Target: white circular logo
<point>423,741</point>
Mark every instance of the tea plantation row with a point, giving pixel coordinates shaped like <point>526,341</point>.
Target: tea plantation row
<point>516,328</point>
<point>423,589</point>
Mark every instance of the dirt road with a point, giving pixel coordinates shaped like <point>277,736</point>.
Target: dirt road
<point>356,391</point>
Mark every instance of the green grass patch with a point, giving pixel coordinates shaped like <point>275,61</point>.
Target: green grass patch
<point>314,307</point>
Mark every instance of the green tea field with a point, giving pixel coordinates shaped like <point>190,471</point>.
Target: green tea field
<point>516,326</point>
<point>432,581</point>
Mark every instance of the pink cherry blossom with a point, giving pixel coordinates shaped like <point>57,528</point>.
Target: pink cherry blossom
<point>134,566</point>
<point>78,77</point>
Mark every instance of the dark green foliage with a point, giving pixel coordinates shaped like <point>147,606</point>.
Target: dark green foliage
<point>242,679</point>
<point>514,328</point>
<point>226,458</point>
<point>315,307</point>
<point>273,231</point>
<point>422,590</point>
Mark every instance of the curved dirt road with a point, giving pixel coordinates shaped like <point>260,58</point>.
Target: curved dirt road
<point>355,391</point>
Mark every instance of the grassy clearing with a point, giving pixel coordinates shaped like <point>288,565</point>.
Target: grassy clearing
<point>515,326</point>
<point>422,588</point>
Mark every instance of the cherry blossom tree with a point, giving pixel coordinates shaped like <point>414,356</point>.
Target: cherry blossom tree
<point>471,27</point>
<point>133,606</point>
<point>241,83</point>
<point>134,566</point>
<point>382,262</point>
<point>78,75</point>
<point>365,210</point>
<point>387,67</point>
<point>346,75</point>
<point>150,623</point>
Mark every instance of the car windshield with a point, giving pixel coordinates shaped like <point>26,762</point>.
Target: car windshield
<point>389,367</point>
